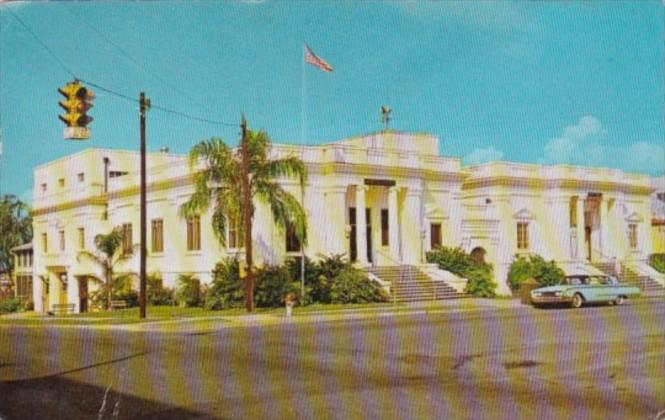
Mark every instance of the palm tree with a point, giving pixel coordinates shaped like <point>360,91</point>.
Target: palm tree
<point>109,252</point>
<point>218,184</point>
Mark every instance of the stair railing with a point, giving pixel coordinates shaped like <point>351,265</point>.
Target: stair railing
<point>401,272</point>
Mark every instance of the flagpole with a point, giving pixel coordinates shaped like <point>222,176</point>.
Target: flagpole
<point>302,189</point>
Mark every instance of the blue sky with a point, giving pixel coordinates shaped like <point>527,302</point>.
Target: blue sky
<point>543,82</point>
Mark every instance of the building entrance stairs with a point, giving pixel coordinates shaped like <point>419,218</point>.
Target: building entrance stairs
<point>410,284</point>
<point>647,285</point>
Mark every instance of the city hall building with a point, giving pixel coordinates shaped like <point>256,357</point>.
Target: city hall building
<point>383,199</point>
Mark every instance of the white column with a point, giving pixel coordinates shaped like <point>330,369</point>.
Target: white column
<point>73,292</point>
<point>411,227</point>
<point>361,225</point>
<point>603,228</point>
<point>579,211</point>
<point>393,221</point>
<point>37,290</point>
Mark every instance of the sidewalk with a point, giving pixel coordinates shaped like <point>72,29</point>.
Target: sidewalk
<point>206,324</point>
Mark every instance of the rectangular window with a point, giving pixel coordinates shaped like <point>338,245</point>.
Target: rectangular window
<point>81,176</point>
<point>157,235</point>
<point>632,235</point>
<point>62,240</point>
<point>292,242</point>
<point>127,245</point>
<point>233,238</point>
<point>435,235</point>
<point>661,196</point>
<point>572,212</point>
<point>385,231</point>
<point>81,238</point>
<point>194,233</point>
<point>44,187</point>
<point>61,182</point>
<point>30,259</point>
<point>522,235</point>
<point>44,243</point>
<point>18,259</point>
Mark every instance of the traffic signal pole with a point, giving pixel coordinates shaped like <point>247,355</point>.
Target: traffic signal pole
<point>144,104</point>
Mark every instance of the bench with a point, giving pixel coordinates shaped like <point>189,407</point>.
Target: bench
<point>118,304</point>
<point>63,308</point>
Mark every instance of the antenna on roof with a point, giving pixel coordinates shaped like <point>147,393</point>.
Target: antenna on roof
<point>385,116</point>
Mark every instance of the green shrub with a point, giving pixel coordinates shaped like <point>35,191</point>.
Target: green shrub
<point>352,286</point>
<point>480,282</point>
<point>479,275</point>
<point>122,290</point>
<point>9,305</point>
<point>319,276</point>
<point>273,282</point>
<point>657,261</point>
<point>226,290</point>
<point>546,273</point>
<point>156,293</point>
<point>189,291</point>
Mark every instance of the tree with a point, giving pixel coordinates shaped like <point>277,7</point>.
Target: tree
<point>15,229</point>
<point>218,185</point>
<point>109,252</point>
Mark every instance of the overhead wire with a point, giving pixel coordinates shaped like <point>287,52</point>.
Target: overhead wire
<point>111,91</point>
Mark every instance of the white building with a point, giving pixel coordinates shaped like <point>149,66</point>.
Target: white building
<point>414,200</point>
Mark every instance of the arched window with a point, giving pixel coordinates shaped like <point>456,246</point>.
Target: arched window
<point>478,255</point>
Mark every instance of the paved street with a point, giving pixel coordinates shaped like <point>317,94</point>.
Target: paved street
<point>513,362</point>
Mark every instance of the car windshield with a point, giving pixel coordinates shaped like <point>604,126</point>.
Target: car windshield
<point>587,280</point>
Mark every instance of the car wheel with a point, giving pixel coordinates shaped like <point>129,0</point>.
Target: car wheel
<point>578,300</point>
<point>620,300</point>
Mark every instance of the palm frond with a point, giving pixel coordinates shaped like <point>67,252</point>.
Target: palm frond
<point>290,167</point>
<point>284,207</point>
<point>102,261</point>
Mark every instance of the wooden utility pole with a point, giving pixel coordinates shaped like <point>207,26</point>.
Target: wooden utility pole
<point>144,104</point>
<point>247,219</point>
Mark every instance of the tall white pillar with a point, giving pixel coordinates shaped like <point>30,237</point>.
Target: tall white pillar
<point>603,228</point>
<point>411,227</point>
<point>393,224</point>
<point>361,225</point>
<point>579,212</point>
<point>73,292</point>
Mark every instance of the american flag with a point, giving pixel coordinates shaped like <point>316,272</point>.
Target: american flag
<point>316,61</point>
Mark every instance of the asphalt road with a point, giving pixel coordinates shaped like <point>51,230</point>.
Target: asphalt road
<point>600,362</point>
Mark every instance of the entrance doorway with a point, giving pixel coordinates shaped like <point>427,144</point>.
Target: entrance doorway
<point>478,255</point>
<point>353,245</point>
<point>83,294</point>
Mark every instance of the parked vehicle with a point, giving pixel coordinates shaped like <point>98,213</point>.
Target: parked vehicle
<point>580,289</point>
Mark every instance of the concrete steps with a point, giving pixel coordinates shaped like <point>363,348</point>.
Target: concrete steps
<point>647,285</point>
<point>410,284</point>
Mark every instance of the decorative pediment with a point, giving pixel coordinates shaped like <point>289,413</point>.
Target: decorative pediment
<point>436,214</point>
<point>524,214</point>
<point>634,217</point>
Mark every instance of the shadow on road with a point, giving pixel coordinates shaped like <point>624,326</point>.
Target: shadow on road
<point>51,398</point>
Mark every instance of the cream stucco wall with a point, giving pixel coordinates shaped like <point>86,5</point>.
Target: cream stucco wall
<point>403,173</point>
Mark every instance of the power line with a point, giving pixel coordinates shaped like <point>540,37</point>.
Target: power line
<point>132,59</point>
<point>158,107</point>
<point>111,91</point>
<point>27,28</point>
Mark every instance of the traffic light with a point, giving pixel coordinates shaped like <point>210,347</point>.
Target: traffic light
<point>78,100</point>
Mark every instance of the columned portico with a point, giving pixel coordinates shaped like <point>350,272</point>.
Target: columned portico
<point>361,224</point>
<point>393,224</point>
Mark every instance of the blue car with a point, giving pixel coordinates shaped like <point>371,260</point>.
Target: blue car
<point>581,289</point>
